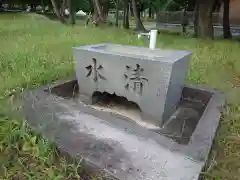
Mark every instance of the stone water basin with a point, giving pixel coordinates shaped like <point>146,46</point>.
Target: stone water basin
<point>153,79</point>
<point>117,143</point>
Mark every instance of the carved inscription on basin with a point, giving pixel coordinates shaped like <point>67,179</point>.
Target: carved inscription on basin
<point>94,70</point>
<point>134,80</point>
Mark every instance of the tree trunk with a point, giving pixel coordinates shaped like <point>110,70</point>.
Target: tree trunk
<point>33,8</point>
<point>205,19</point>
<point>184,20</point>
<point>137,19</point>
<point>72,13</point>
<point>95,14</point>
<point>150,13</point>
<point>56,9</point>
<point>215,5</point>
<point>117,13</point>
<point>10,5</point>
<point>130,13</point>
<point>90,14</point>
<point>43,6</point>
<point>99,9</point>
<point>62,8</point>
<point>50,7</point>
<point>196,14</point>
<point>226,24</point>
<point>105,8</point>
<point>126,15</point>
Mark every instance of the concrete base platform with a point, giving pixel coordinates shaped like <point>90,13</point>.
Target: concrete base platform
<point>119,145</point>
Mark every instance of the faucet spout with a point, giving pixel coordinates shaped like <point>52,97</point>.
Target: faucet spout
<point>143,34</point>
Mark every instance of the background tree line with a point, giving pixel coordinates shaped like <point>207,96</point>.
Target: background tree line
<point>98,10</point>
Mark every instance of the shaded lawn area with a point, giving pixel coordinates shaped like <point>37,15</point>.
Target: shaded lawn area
<point>35,50</point>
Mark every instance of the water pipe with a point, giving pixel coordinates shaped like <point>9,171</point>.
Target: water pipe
<point>151,38</point>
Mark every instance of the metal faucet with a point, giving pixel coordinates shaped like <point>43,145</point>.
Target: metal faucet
<point>151,38</point>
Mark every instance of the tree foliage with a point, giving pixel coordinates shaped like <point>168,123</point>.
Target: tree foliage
<point>99,9</point>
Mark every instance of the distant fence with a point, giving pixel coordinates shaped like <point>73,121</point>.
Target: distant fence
<point>177,18</point>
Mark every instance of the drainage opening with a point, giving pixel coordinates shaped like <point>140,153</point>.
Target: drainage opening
<point>116,104</point>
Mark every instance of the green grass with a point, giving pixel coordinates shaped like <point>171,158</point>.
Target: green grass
<point>35,50</point>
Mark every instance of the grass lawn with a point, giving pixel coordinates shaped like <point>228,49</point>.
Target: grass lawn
<point>35,50</point>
